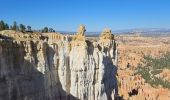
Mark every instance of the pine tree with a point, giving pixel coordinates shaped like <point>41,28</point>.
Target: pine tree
<point>2,25</point>
<point>29,28</point>
<point>6,26</point>
<point>51,30</point>
<point>22,28</point>
<point>15,27</point>
<point>45,30</point>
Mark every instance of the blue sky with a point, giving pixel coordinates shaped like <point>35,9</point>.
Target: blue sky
<point>67,15</point>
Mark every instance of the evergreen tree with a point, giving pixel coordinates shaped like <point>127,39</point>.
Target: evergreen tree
<point>2,25</point>
<point>15,27</point>
<point>22,27</point>
<point>51,30</point>
<point>6,26</point>
<point>45,30</point>
<point>29,28</point>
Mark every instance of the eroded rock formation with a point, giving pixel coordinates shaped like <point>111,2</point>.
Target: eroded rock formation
<point>132,49</point>
<point>107,34</point>
<point>80,36</point>
<point>58,70</point>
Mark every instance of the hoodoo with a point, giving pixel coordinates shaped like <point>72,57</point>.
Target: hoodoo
<point>37,69</point>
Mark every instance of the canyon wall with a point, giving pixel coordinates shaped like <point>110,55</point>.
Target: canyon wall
<point>58,68</point>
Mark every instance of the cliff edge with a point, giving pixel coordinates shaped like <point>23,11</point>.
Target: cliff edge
<point>57,67</point>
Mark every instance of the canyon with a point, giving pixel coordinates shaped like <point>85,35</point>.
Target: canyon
<point>53,66</point>
<point>131,52</point>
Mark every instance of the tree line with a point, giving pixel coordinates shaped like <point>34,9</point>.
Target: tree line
<point>22,28</point>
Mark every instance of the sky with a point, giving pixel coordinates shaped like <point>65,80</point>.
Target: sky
<point>67,15</point>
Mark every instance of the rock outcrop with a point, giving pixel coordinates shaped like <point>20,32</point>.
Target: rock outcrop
<point>107,34</point>
<point>80,36</point>
<point>58,70</point>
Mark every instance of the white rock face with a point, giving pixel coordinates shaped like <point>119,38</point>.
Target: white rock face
<point>58,70</point>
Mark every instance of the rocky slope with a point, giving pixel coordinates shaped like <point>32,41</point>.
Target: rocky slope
<point>57,67</point>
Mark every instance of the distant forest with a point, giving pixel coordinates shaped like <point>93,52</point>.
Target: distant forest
<point>22,28</point>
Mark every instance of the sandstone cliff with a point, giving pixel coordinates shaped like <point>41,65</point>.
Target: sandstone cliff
<point>57,68</point>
